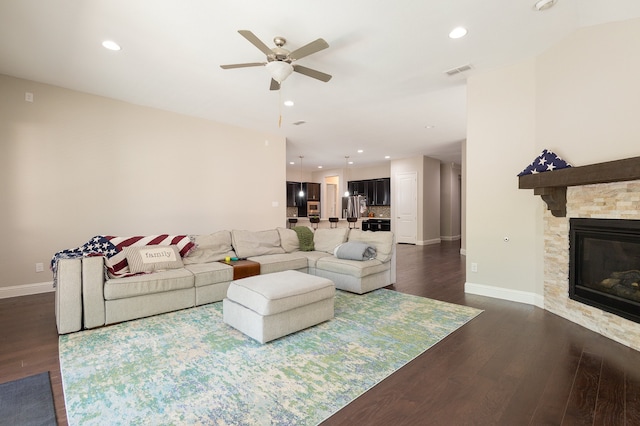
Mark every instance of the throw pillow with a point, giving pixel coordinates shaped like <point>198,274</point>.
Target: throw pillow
<point>152,258</point>
<point>305,237</point>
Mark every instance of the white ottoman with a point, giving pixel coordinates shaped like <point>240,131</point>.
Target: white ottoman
<point>266,307</point>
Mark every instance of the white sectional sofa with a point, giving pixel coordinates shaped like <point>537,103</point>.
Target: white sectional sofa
<point>87,297</point>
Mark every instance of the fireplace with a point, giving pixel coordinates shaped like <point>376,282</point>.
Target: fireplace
<point>604,265</point>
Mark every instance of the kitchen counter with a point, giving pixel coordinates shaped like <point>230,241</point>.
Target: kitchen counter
<point>342,222</point>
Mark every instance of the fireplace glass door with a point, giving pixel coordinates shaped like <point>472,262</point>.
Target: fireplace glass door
<point>604,265</point>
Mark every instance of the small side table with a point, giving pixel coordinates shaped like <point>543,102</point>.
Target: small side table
<point>243,268</point>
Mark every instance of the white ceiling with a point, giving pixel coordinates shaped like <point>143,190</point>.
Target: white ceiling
<point>388,61</point>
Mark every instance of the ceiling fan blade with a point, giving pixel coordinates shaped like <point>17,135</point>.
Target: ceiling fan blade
<point>274,85</point>
<point>312,73</point>
<point>255,41</point>
<point>250,64</point>
<point>308,49</point>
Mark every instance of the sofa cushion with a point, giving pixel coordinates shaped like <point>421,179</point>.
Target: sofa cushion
<point>140,285</point>
<point>152,258</point>
<point>210,248</point>
<point>313,256</point>
<point>271,263</point>
<point>289,240</point>
<point>382,240</point>
<point>355,268</point>
<point>210,273</point>
<point>327,239</point>
<point>249,243</point>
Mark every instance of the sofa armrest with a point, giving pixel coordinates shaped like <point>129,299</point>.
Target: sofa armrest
<point>69,295</point>
<point>93,291</point>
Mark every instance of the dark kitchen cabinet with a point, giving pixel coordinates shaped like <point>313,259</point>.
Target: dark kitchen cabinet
<point>313,191</point>
<point>356,187</point>
<point>376,225</point>
<point>377,191</point>
<point>382,192</point>
<point>293,188</point>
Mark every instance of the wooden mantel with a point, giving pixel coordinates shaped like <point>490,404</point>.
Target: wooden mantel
<point>552,186</point>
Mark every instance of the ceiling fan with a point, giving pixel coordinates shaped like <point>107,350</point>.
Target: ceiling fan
<point>280,60</point>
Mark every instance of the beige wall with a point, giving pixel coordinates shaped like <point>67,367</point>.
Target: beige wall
<point>450,197</point>
<point>500,143</point>
<point>74,165</point>
<point>580,99</point>
<point>430,201</point>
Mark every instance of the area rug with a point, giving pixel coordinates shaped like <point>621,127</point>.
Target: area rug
<point>188,367</point>
<point>27,402</point>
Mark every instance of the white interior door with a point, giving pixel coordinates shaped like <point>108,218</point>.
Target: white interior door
<point>406,201</point>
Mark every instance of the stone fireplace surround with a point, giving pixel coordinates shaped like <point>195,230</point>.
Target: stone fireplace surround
<point>618,200</point>
<point>608,190</point>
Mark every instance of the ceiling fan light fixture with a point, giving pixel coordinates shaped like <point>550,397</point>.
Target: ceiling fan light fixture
<point>279,70</point>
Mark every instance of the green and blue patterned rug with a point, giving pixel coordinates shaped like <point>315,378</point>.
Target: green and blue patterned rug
<point>188,367</point>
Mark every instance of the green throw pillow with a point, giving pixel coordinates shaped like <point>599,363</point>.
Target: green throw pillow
<point>305,236</point>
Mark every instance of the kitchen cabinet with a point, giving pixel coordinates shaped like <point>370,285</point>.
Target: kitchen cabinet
<point>312,191</point>
<point>376,225</point>
<point>293,188</point>
<point>382,192</point>
<point>377,191</point>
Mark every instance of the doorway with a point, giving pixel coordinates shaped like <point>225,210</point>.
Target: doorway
<point>406,201</point>
<point>330,208</point>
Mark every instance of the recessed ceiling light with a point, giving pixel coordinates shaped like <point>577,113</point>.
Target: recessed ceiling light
<point>292,162</point>
<point>541,5</point>
<point>111,45</point>
<point>430,126</point>
<point>386,157</point>
<point>458,32</point>
<point>350,162</point>
<point>360,151</point>
<point>288,103</point>
<point>319,167</point>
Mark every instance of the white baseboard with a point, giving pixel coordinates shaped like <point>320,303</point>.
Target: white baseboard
<point>428,242</point>
<point>450,237</point>
<point>26,289</point>
<point>505,294</point>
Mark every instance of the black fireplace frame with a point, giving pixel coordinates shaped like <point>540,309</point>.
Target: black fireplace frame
<point>625,230</point>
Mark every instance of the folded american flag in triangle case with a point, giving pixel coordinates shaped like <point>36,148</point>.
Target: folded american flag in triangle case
<point>545,162</point>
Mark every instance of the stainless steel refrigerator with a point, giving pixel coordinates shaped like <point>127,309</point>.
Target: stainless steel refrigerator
<point>354,206</point>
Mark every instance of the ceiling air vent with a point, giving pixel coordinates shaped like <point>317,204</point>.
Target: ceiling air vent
<point>458,70</point>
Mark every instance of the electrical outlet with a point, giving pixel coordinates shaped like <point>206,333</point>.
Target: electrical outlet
<point>39,267</point>
<point>28,96</point>
<point>474,267</point>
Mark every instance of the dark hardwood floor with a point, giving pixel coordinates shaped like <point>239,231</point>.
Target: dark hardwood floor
<point>512,365</point>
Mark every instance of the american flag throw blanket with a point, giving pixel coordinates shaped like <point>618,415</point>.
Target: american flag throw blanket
<point>112,249</point>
